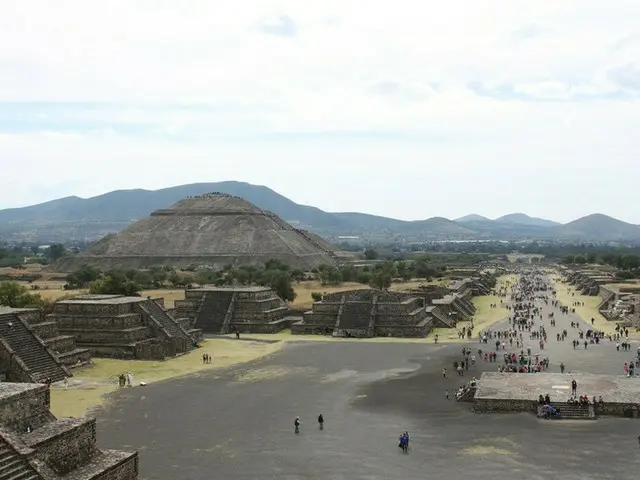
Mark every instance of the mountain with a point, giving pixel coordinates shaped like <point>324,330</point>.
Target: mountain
<point>78,219</point>
<point>473,217</point>
<point>598,227</point>
<point>523,219</point>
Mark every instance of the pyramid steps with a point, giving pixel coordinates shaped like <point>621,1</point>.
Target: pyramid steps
<point>36,356</point>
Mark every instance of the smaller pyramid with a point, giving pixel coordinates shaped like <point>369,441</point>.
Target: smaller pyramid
<point>212,230</point>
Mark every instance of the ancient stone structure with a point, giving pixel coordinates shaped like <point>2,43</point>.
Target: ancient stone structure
<point>213,230</point>
<point>123,327</point>
<point>26,357</point>
<point>35,445</point>
<point>518,392</point>
<point>245,309</point>
<point>366,313</point>
<point>619,303</point>
<point>588,282</point>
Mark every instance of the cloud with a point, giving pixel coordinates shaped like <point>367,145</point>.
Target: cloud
<point>627,76</point>
<point>281,26</point>
<point>464,101</point>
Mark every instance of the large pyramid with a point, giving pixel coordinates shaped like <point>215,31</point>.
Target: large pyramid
<point>213,230</point>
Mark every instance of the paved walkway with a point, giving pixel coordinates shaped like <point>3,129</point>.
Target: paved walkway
<point>602,358</point>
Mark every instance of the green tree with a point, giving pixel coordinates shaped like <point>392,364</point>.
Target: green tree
<point>55,251</point>
<point>280,282</point>
<point>404,271</point>
<point>14,295</point>
<point>381,279</point>
<point>82,277</point>
<point>115,282</point>
<point>370,254</point>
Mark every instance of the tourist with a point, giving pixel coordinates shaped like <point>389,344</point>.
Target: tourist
<point>321,422</point>
<point>296,424</point>
<point>574,387</point>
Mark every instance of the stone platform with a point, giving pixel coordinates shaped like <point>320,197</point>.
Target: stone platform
<point>518,392</point>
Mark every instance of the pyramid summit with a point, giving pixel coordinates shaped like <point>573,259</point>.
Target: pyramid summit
<point>214,229</point>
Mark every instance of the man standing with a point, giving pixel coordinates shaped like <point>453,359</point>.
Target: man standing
<point>574,387</point>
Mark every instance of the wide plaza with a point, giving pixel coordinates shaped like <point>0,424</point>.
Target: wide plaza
<point>238,422</point>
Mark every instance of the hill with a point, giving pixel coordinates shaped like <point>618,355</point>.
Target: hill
<point>524,219</point>
<point>473,217</point>
<point>598,227</point>
<point>78,219</point>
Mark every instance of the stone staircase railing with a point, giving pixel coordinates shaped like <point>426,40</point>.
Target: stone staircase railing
<point>226,325</point>
<point>372,316</point>
<point>336,328</point>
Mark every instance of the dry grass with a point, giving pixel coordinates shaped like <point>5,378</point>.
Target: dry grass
<point>89,385</point>
<point>586,312</point>
<point>485,316</point>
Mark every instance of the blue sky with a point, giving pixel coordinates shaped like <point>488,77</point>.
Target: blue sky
<point>403,109</point>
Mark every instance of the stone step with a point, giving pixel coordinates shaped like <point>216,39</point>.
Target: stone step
<point>41,363</point>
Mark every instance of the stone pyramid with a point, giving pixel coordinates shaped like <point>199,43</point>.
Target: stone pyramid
<point>214,230</point>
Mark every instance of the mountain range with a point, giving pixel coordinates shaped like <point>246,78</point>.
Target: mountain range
<point>77,219</point>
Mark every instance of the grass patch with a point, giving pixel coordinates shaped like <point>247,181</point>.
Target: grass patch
<point>89,385</point>
<point>586,312</point>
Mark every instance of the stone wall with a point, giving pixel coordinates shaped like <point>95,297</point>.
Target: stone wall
<point>483,405</point>
<point>26,409</point>
<point>11,366</point>
<point>66,444</point>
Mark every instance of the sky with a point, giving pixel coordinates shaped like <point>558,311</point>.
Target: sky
<point>399,108</point>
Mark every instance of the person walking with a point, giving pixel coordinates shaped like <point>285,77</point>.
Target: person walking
<point>296,424</point>
<point>321,422</point>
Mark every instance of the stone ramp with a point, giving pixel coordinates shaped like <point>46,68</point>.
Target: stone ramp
<point>41,363</point>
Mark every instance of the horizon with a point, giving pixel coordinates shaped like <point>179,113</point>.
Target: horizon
<point>359,107</point>
<point>343,211</point>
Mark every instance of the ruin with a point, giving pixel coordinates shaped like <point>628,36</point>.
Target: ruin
<point>123,327</point>
<point>35,445</point>
<point>226,309</point>
<point>366,313</point>
<point>210,230</point>
<point>25,356</point>
<point>588,282</point>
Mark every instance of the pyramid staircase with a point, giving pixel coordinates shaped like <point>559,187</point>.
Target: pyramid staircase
<point>40,362</point>
<point>46,448</point>
<point>353,319</point>
<point>12,465</point>
<point>461,308</point>
<point>211,313</point>
<point>173,327</point>
<point>571,411</point>
<point>441,319</point>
